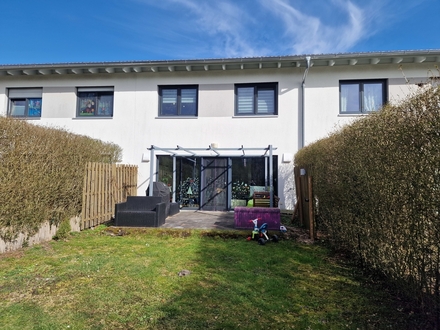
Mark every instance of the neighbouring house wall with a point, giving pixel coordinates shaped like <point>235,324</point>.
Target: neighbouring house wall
<point>322,92</point>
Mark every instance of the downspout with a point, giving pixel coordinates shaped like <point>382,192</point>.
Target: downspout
<point>152,164</point>
<point>302,121</point>
<point>271,174</point>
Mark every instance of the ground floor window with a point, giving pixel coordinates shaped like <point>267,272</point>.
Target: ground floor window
<point>216,183</point>
<point>187,179</point>
<point>248,176</point>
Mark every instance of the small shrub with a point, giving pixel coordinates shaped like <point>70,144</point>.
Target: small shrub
<point>63,231</point>
<point>25,243</point>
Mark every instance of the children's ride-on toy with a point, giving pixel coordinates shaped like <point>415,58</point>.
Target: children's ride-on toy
<point>261,234</point>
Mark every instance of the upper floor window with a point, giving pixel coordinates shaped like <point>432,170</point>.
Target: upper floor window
<point>362,96</point>
<point>95,101</point>
<point>178,100</point>
<point>256,99</point>
<point>25,102</point>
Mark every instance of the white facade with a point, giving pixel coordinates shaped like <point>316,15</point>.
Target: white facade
<point>136,124</point>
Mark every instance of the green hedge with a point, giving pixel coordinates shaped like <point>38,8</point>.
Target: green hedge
<point>377,188</point>
<point>42,173</point>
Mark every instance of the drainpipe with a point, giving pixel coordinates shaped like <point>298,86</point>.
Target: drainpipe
<point>152,165</point>
<point>301,119</point>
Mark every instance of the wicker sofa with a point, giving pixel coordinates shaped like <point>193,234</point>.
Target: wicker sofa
<point>161,190</point>
<point>140,211</point>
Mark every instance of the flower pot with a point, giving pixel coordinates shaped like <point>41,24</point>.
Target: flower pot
<point>238,202</point>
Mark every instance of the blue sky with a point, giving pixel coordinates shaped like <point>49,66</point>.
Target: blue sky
<point>49,31</point>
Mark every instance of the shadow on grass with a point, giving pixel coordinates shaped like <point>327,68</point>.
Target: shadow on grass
<point>236,283</point>
<point>112,278</point>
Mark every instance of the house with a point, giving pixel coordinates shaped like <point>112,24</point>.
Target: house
<point>214,130</point>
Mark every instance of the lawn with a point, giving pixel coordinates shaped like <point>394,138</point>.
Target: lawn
<point>96,280</point>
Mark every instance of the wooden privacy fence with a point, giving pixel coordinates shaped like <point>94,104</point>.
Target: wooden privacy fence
<point>104,186</point>
<point>305,200</point>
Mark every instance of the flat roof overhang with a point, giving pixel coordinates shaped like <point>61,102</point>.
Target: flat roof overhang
<point>225,64</point>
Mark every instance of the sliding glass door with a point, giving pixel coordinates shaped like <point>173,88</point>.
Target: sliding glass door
<point>216,183</point>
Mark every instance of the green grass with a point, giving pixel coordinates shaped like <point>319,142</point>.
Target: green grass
<point>98,281</point>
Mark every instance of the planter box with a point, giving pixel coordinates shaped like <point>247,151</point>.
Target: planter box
<point>269,215</point>
<point>238,202</point>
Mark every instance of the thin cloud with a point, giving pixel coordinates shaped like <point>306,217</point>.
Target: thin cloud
<point>353,21</point>
<point>226,24</point>
<point>308,34</point>
<point>244,28</point>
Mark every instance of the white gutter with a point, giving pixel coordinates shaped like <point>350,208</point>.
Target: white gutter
<point>302,110</point>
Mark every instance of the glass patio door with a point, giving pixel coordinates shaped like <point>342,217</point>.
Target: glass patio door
<point>214,184</point>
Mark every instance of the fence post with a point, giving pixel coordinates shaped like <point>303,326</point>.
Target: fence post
<point>311,213</point>
<point>299,201</point>
<point>84,199</point>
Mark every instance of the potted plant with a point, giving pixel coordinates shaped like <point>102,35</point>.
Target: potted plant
<point>240,194</point>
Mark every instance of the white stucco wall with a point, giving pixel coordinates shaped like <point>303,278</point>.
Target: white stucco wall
<point>322,92</point>
<point>135,125</point>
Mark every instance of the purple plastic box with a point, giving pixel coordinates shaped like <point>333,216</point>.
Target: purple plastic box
<point>243,215</point>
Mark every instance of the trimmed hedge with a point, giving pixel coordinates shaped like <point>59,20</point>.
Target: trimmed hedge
<point>377,187</point>
<point>42,173</point>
